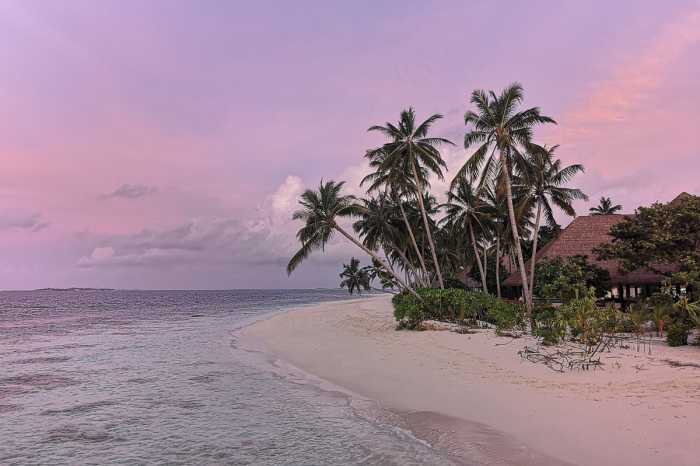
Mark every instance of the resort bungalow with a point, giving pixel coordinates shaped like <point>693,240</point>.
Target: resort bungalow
<point>580,237</point>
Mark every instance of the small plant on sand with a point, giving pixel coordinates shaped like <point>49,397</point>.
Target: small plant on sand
<point>639,313</point>
<point>507,317</point>
<point>678,334</point>
<point>661,316</point>
<point>550,324</point>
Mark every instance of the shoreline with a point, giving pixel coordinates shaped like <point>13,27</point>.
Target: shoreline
<point>642,412</point>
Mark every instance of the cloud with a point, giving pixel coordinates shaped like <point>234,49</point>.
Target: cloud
<point>17,219</point>
<point>218,241</point>
<point>128,191</point>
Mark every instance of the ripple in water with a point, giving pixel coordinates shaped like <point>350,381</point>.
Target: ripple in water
<point>130,377</point>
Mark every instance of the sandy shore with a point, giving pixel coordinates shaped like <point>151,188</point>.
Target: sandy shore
<point>637,411</point>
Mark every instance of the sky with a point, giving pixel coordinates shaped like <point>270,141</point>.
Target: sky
<point>164,144</point>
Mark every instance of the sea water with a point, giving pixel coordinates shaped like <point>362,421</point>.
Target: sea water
<point>156,378</point>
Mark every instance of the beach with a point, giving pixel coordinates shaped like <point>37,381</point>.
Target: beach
<point>448,388</point>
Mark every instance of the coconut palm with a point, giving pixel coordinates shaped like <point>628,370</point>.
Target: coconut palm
<point>395,184</point>
<point>465,208</point>
<point>410,150</point>
<point>379,227</point>
<point>498,126</point>
<point>355,278</point>
<point>546,179</point>
<point>321,211</point>
<point>377,271</point>
<point>605,207</point>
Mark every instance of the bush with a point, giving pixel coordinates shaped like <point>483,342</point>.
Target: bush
<point>678,334</point>
<point>507,316</point>
<point>550,326</point>
<point>450,305</point>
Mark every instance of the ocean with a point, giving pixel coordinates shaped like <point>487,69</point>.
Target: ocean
<point>156,378</point>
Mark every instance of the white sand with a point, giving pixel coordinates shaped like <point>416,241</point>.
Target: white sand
<point>616,416</point>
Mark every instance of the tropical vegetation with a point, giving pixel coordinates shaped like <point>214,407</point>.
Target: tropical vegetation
<point>500,208</point>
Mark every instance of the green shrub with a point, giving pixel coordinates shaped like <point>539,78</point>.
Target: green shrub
<point>450,305</point>
<point>550,326</point>
<point>678,334</point>
<point>506,316</point>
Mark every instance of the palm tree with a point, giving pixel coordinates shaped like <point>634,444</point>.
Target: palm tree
<point>355,277</point>
<point>411,150</point>
<point>376,270</point>
<point>547,178</point>
<point>499,126</point>
<point>466,209</point>
<point>379,226</point>
<point>321,210</point>
<point>396,185</point>
<point>605,207</point>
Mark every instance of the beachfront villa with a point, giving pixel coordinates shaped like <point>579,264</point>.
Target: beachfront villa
<point>580,237</point>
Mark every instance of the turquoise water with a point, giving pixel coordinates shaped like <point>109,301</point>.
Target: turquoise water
<point>133,377</point>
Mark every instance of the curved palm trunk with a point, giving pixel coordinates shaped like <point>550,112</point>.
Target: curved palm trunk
<point>498,261</point>
<point>383,291</point>
<point>406,261</point>
<point>413,240</point>
<point>478,259</point>
<point>373,254</point>
<point>427,227</point>
<point>516,239</point>
<point>486,264</point>
<point>534,248</point>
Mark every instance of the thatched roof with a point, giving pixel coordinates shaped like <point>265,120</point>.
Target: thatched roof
<point>582,235</point>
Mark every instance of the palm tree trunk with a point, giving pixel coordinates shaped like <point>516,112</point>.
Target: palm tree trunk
<point>373,254</point>
<point>413,238</point>
<point>534,248</point>
<point>383,291</point>
<point>478,259</point>
<point>486,263</point>
<point>498,261</point>
<point>406,261</point>
<point>516,239</point>
<point>427,226</point>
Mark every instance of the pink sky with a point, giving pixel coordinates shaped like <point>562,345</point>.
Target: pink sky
<point>164,144</point>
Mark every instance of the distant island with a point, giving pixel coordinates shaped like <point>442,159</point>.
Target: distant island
<point>75,289</point>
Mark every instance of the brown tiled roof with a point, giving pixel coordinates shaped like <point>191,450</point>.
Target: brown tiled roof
<point>582,235</point>
<point>679,198</point>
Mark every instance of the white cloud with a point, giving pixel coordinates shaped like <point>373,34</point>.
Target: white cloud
<point>101,253</point>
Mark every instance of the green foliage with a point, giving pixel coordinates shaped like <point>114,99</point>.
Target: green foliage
<point>686,279</point>
<point>662,315</point>
<point>684,310</point>
<point>507,316</point>
<point>591,325</point>
<point>639,316</point>
<point>448,305</point>
<point>451,305</point>
<point>678,334</point>
<point>662,234</point>
<point>557,278</point>
<point>550,325</point>
<point>475,273</point>
<point>660,299</point>
<point>454,283</point>
<point>605,207</point>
